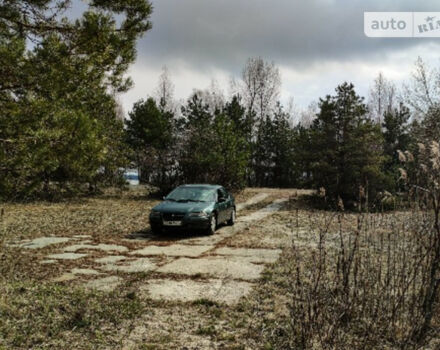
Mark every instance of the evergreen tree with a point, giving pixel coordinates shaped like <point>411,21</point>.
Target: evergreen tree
<point>214,148</point>
<point>263,152</point>
<point>274,151</point>
<point>430,125</point>
<point>346,147</point>
<point>150,133</point>
<point>302,156</point>
<point>396,138</point>
<point>242,120</point>
<point>58,123</point>
<point>284,174</point>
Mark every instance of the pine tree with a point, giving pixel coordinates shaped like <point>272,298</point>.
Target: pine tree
<point>58,125</point>
<point>274,151</point>
<point>151,136</point>
<point>346,147</point>
<point>214,147</point>
<point>396,135</point>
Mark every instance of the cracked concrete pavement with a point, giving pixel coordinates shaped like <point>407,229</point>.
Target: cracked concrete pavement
<point>187,269</point>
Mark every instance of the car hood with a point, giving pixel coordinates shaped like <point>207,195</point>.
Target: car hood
<point>183,207</point>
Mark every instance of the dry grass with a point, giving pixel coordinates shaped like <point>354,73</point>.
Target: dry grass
<point>49,316</point>
<point>102,216</point>
<point>351,282</point>
<point>35,313</point>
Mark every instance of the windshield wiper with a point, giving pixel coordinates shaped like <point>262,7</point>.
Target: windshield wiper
<point>170,199</point>
<point>190,200</point>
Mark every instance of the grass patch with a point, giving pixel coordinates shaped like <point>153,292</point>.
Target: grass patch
<point>206,330</point>
<point>35,315</point>
<point>205,302</point>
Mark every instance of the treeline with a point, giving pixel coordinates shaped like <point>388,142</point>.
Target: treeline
<point>62,130</point>
<point>345,146</point>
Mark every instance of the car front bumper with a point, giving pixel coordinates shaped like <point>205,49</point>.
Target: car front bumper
<point>188,223</point>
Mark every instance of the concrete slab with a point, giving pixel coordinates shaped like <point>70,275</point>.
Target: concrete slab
<point>41,242</point>
<point>139,236</point>
<point>138,265</point>
<point>205,240</point>
<point>173,250</point>
<point>48,262</point>
<point>222,267</point>
<point>105,284</point>
<point>85,272</point>
<point>253,255</point>
<point>251,201</point>
<point>65,277</point>
<point>262,213</point>
<point>242,222</point>
<point>103,247</point>
<point>66,256</point>
<point>110,259</point>
<point>228,292</point>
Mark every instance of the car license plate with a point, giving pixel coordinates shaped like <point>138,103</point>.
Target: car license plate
<point>172,223</point>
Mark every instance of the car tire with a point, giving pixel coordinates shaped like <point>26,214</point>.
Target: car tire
<point>212,225</point>
<point>231,220</point>
<point>157,230</point>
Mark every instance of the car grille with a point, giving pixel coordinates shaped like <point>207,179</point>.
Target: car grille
<point>172,216</point>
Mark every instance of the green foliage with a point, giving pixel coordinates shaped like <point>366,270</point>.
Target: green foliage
<point>428,129</point>
<point>302,156</point>
<point>396,138</point>
<point>148,126</point>
<point>150,134</point>
<point>59,129</point>
<point>58,125</point>
<point>214,147</point>
<point>244,121</point>
<point>274,151</point>
<point>345,147</point>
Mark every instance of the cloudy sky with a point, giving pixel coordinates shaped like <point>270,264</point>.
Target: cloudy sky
<point>317,44</point>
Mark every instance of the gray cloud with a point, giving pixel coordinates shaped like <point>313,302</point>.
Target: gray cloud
<point>222,34</point>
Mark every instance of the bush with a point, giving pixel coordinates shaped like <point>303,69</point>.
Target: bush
<point>370,280</point>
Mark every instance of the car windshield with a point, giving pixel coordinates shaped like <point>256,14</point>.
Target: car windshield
<point>192,194</point>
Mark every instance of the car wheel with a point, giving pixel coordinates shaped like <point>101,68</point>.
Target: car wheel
<point>231,220</point>
<point>212,224</point>
<point>157,230</point>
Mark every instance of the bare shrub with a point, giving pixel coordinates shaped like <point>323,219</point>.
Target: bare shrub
<point>370,281</point>
<point>367,281</point>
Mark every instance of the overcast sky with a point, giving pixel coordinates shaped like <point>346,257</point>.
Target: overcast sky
<point>317,44</point>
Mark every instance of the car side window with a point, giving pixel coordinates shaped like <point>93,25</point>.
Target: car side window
<point>222,193</point>
<point>210,196</point>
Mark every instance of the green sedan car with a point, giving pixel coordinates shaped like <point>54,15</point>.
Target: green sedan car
<point>194,207</point>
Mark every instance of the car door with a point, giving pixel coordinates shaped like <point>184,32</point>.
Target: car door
<point>229,205</point>
<point>222,205</point>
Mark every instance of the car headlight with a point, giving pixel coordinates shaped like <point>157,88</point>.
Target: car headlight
<point>155,213</point>
<point>199,214</point>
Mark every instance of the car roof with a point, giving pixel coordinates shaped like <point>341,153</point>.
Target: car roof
<point>207,186</point>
